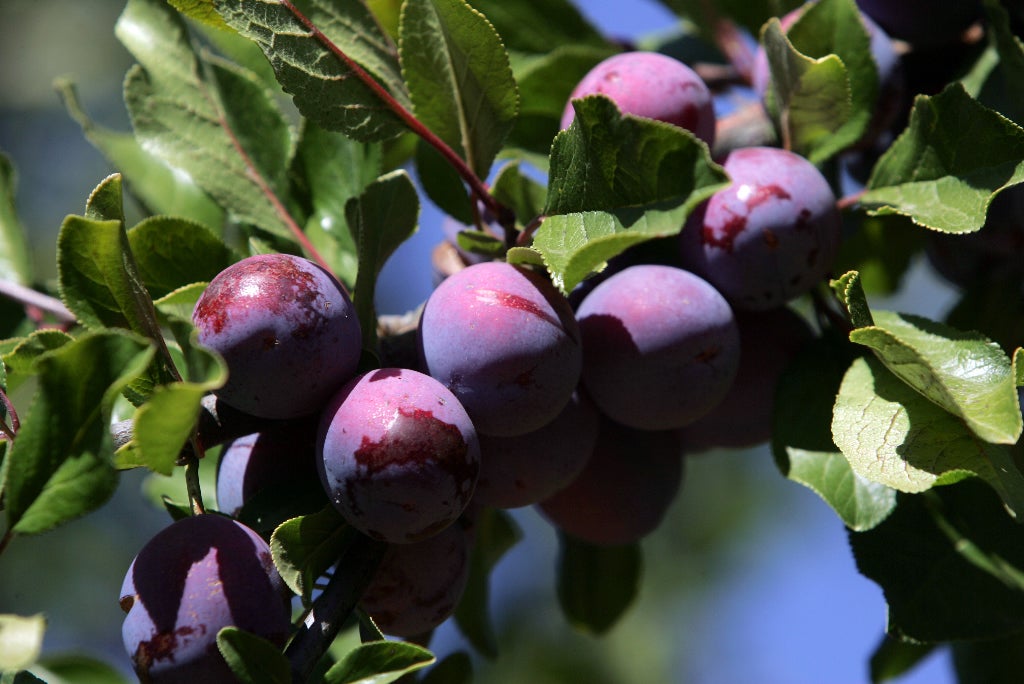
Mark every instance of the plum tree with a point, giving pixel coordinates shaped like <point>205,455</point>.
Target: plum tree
<point>770,236</point>
<point>660,346</point>
<point>276,318</point>
<point>524,469</point>
<point>505,342</point>
<point>652,85</point>
<point>627,486</point>
<point>417,586</point>
<point>192,579</point>
<point>398,455</point>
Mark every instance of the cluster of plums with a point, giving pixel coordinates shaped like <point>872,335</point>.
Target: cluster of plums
<point>580,405</point>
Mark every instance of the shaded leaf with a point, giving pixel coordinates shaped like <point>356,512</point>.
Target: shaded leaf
<point>810,98</point>
<point>60,467</point>
<point>459,78</point>
<point>949,563</point>
<point>378,662</point>
<point>894,657</point>
<point>880,249</point>
<point>443,184</point>
<point>994,661</point>
<point>456,668</point>
<point>996,80</point>
<point>172,252</point>
<point>253,659</point>
<point>518,191</point>
<point>802,437</point>
<point>71,668</point>
<point>539,26</point>
<point>200,10</point>
<point>305,547</point>
<point>946,167</point>
<point>212,120</point>
<point>892,435</point>
<point>750,14</point>
<point>496,533</point>
<point>311,63</point>
<point>596,584</point>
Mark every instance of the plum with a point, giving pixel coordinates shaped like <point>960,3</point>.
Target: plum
<point>417,586</point>
<point>398,455</point>
<point>505,342</point>
<point>189,581</point>
<point>651,85</point>
<point>522,470</point>
<point>660,346</point>
<point>627,486</point>
<point>287,331</point>
<point>770,236</point>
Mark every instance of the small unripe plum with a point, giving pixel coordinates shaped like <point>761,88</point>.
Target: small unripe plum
<point>522,470</point>
<point>660,347</point>
<point>768,237</point>
<point>651,85</point>
<point>398,455</point>
<point>287,331</point>
<point>417,586</point>
<point>505,342</point>
<point>188,582</point>
<point>769,342</point>
<point>624,491</point>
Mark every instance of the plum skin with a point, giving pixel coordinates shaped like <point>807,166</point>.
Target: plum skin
<point>398,455</point>
<point>418,586</point>
<point>770,236</point>
<point>287,331</point>
<point>625,490</point>
<point>505,342</point>
<point>192,579</point>
<point>660,346</point>
<point>651,85</point>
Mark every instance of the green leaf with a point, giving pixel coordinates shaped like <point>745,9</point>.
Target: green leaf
<point>892,435</point>
<point>21,641</point>
<point>165,423</point>
<point>575,245</point>
<point>496,533</point>
<point>881,249</point>
<point>212,120</point>
<point>305,547</point>
<point>337,168</point>
<point>802,437</point>
<point>539,26</point>
<point>381,219</point>
<point>997,78</point>
<point>479,242</point>
<point>172,252</point>
<point>519,192</point>
<point>596,584</point>
<point>894,657</point>
<point>607,161</point>
<point>963,372</point>
<point>809,98</point>
<point>946,167</point>
<point>851,295</point>
<point>442,184</point>
<point>459,78</point>
<point>60,466</point>
<point>949,563</point>
<point>70,668</point>
<point>378,662</point>
<point>21,360</point>
<point>313,64</point>
<point>200,10</point>
<point>161,189</point>
<point>15,261</point>
<point>253,659</point>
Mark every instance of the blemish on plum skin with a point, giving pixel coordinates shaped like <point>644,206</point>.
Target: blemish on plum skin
<point>737,223</point>
<point>161,647</point>
<point>707,355</point>
<point>513,301</point>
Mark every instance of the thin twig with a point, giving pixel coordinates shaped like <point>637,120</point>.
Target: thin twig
<point>30,297</point>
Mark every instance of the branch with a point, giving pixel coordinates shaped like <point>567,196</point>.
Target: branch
<point>30,297</point>
<point>339,598</point>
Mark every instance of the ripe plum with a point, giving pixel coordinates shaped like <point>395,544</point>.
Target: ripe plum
<point>192,579</point>
<point>770,236</point>
<point>505,342</point>
<point>287,330</point>
<point>660,347</point>
<point>651,85</point>
<point>398,455</point>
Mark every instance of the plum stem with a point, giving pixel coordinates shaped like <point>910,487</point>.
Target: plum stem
<point>6,540</point>
<point>850,201</point>
<point>195,489</point>
<point>336,602</point>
